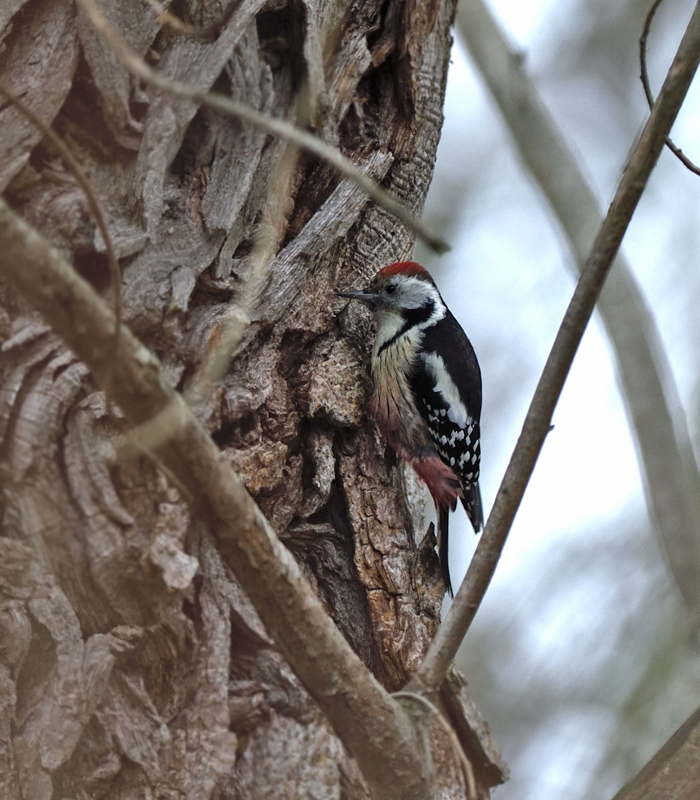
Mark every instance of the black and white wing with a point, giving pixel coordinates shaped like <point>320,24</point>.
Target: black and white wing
<point>446,383</point>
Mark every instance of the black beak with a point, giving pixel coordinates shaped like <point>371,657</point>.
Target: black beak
<point>363,295</point>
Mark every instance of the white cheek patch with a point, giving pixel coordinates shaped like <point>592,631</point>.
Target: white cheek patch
<point>415,292</point>
<point>390,323</point>
<point>456,411</point>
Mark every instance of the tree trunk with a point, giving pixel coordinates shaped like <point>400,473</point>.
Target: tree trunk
<point>131,663</point>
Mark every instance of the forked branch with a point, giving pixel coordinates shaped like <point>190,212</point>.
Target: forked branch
<point>680,155</point>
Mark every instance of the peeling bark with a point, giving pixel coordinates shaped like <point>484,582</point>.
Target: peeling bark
<point>131,662</point>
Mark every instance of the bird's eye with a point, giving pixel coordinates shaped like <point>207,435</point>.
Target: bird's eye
<point>391,288</point>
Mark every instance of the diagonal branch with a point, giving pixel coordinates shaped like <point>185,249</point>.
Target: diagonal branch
<point>673,770</point>
<point>277,127</point>
<point>644,156</point>
<point>372,725</point>
<point>667,463</point>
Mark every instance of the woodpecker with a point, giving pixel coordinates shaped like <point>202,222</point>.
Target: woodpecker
<point>426,398</point>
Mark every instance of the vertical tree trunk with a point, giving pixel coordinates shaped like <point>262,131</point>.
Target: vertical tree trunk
<point>131,663</point>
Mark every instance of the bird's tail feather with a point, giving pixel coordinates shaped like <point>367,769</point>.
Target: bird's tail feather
<point>471,500</point>
<point>443,523</point>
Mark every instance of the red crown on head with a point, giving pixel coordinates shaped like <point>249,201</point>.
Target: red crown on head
<point>409,268</point>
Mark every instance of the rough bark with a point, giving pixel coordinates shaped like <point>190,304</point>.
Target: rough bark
<point>131,663</point>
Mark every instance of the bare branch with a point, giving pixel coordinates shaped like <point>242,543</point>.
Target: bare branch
<point>667,461</point>
<point>673,771</point>
<point>647,86</point>
<point>432,671</point>
<point>151,434</point>
<point>267,243</point>
<point>372,725</point>
<point>166,17</point>
<point>277,127</point>
<point>467,768</point>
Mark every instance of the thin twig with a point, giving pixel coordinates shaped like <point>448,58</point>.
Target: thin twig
<point>467,768</point>
<point>269,237</point>
<point>166,17</point>
<point>277,127</point>
<point>94,204</point>
<point>647,86</point>
<point>153,433</point>
<point>644,156</point>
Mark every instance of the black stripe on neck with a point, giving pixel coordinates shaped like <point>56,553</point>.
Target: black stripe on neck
<point>412,317</point>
